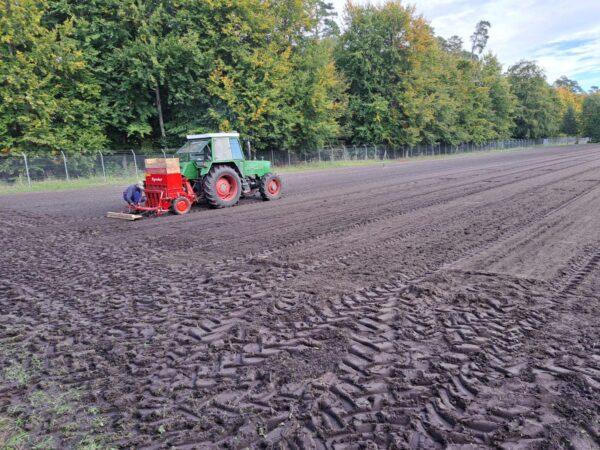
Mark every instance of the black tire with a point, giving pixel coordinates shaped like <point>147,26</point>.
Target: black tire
<point>222,187</point>
<point>270,187</point>
<point>181,205</point>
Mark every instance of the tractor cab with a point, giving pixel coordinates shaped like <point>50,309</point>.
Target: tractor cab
<point>201,151</point>
<point>196,150</point>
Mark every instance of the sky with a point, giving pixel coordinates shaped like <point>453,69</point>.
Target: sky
<point>563,36</point>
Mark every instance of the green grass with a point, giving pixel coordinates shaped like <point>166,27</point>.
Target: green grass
<point>59,415</point>
<point>12,436</point>
<point>47,413</point>
<point>16,373</point>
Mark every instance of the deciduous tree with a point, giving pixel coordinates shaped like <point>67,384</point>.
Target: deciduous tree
<point>480,37</point>
<point>49,100</point>
<point>569,124</point>
<point>537,112</point>
<point>591,117</point>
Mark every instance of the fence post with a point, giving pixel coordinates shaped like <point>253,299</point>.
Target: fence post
<point>366,153</point>
<point>103,168</point>
<point>331,150</point>
<point>65,163</point>
<point>135,163</point>
<point>272,159</point>
<point>26,169</point>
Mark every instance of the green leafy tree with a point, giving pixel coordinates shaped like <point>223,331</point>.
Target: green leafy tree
<point>454,44</point>
<point>503,102</point>
<point>569,124</point>
<point>319,95</point>
<point>571,85</point>
<point>324,16</point>
<point>590,117</point>
<point>480,37</point>
<point>154,69</point>
<point>537,113</point>
<point>169,68</point>
<point>475,104</point>
<point>49,100</point>
<point>383,55</point>
<point>282,91</point>
<point>78,75</point>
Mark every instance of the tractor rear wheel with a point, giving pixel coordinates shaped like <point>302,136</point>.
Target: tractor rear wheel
<point>222,187</point>
<point>270,187</point>
<point>181,205</point>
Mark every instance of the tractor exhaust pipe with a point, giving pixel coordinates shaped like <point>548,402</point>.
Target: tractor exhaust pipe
<point>248,149</point>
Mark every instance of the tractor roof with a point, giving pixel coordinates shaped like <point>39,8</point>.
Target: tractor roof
<point>212,135</point>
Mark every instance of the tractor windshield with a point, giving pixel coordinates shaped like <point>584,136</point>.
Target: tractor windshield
<point>198,150</point>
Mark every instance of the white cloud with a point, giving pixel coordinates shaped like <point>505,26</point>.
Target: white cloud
<point>526,29</point>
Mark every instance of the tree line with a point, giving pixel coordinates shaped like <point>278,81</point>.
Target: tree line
<point>81,76</point>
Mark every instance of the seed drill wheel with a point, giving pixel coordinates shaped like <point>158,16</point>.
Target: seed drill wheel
<point>222,187</point>
<point>270,187</point>
<point>181,205</point>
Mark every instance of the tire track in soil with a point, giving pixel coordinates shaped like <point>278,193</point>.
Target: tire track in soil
<point>437,408</point>
<point>239,354</point>
<point>355,365</point>
<point>550,431</point>
<point>440,419</point>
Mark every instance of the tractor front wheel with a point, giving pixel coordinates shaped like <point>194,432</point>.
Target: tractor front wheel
<point>181,205</point>
<point>222,187</point>
<point>270,187</point>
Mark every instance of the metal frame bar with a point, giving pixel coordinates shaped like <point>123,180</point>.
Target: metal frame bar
<point>27,169</point>
<point>65,162</point>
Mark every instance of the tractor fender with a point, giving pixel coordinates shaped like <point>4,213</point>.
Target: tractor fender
<point>231,164</point>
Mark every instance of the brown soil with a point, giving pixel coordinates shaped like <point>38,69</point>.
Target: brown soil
<point>442,304</point>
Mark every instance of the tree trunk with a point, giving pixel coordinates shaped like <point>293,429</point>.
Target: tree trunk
<point>160,112</point>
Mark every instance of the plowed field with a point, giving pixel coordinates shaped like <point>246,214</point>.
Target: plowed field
<point>436,304</point>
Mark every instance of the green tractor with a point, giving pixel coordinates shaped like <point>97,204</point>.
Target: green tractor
<point>215,166</point>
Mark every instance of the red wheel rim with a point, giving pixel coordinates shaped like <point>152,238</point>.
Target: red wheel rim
<point>226,187</point>
<point>181,206</point>
<point>274,186</point>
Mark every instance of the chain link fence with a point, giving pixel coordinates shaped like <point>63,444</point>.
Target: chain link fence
<point>130,164</point>
<point>25,170</point>
<point>383,152</point>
